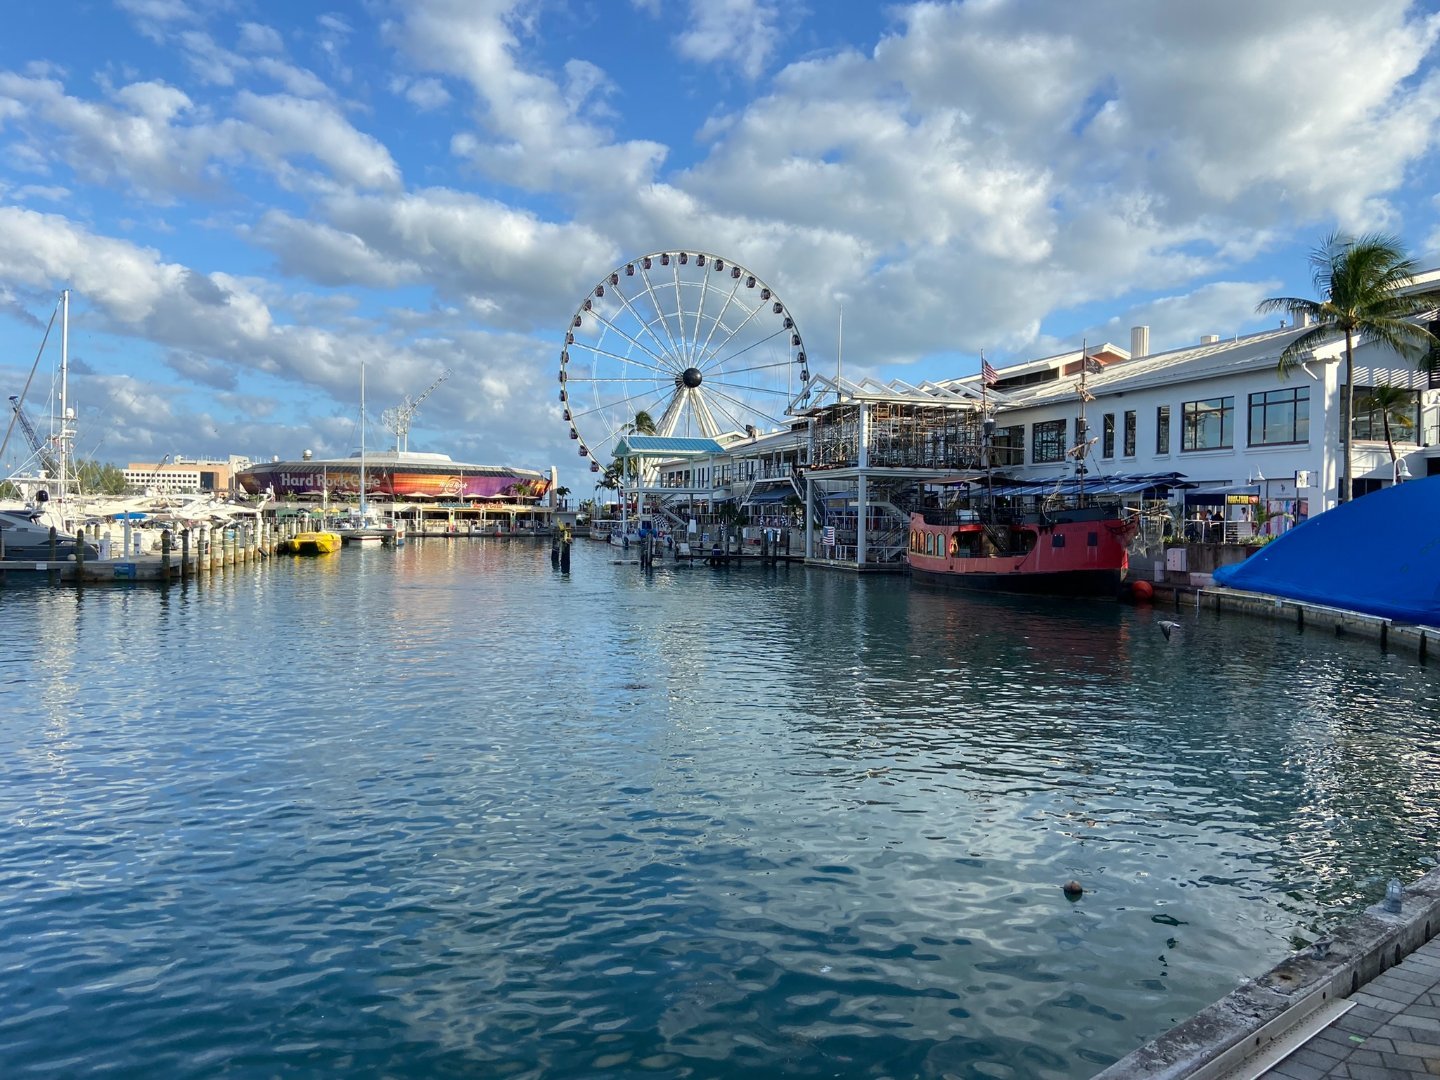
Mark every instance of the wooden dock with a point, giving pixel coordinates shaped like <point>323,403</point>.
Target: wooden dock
<point>93,571</point>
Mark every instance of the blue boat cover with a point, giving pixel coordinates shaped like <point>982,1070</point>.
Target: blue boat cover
<point>1379,555</point>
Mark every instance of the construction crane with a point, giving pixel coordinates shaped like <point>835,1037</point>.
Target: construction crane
<point>37,444</point>
<point>397,420</point>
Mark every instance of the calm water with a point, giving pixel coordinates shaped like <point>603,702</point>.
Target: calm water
<point>444,812</point>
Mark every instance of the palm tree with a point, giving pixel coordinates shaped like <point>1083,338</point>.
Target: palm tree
<point>1361,281</point>
<point>609,478</point>
<point>643,424</point>
<point>1394,404</point>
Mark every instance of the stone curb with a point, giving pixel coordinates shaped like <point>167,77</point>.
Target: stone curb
<point>1247,1020</point>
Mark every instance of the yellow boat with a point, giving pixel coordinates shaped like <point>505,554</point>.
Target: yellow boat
<point>310,543</point>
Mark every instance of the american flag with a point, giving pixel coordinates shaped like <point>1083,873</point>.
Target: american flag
<point>987,373</point>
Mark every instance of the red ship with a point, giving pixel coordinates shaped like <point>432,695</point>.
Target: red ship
<point>1076,550</point>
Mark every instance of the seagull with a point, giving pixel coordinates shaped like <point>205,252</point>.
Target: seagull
<point>1167,627</point>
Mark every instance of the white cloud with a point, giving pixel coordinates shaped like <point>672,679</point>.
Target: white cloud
<point>154,18</point>
<point>742,33</point>
<point>295,81</point>
<point>534,135</point>
<point>427,95</point>
<point>1037,163</point>
<point>259,38</point>
<point>153,138</point>
<point>286,127</point>
<point>509,266</point>
<point>136,140</point>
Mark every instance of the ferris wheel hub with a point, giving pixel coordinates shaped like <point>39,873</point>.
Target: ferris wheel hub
<point>691,377</point>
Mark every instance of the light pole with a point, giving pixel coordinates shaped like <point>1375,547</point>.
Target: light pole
<point>1400,471</point>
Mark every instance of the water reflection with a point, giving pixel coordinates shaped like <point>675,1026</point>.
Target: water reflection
<point>506,821</point>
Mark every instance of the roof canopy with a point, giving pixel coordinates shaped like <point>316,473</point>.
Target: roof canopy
<point>666,446</point>
<point>1120,484</point>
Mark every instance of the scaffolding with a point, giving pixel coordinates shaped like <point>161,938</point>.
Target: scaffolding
<point>901,435</point>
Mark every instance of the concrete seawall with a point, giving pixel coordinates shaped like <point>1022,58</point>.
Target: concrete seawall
<point>1245,1022</point>
<point>1421,641</point>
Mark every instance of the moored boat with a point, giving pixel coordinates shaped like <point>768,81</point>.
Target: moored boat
<point>25,535</point>
<point>1076,550</point>
<point>316,542</point>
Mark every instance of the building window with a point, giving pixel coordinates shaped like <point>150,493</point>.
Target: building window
<point>1130,434</point>
<point>1107,442</point>
<point>1048,442</point>
<point>1008,446</point>
<point>1370,422</point>
<point>1280,416</point>
<point>1208,424</point>
<point>1162,429</point>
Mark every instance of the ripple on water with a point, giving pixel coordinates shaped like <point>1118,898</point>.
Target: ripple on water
<point>445,811</point>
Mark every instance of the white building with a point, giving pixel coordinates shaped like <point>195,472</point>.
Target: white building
<point>1218,413</point>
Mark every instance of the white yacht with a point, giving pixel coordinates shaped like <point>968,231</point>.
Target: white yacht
<point>25,536</point>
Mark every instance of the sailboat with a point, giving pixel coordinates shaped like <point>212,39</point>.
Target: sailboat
<point>364,527</point>
<point>25,530</point>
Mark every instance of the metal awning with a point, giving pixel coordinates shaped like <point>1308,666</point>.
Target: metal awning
<point>773,495</point>
<point>1121,484</point>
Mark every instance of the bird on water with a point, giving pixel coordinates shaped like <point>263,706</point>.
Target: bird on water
<point>1167,628</point>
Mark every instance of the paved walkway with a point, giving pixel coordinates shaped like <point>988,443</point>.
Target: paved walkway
<point>1393,1030</point>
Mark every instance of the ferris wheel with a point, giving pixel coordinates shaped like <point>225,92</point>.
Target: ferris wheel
<point>682,344</point>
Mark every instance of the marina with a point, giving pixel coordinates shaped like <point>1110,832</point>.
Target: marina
<point>849,861</point>
<point>464,622</point>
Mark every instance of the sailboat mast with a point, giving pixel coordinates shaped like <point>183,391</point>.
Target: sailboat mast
<point>362,442</point>
<point>66,432</point>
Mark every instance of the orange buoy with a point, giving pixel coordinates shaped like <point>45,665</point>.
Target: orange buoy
<point>1142,590</point>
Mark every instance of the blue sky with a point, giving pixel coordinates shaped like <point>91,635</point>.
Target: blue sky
<point>251,198</point>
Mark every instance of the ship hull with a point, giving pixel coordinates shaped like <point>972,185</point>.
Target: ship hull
<point>1101,583</point>
<point>1084,553</point>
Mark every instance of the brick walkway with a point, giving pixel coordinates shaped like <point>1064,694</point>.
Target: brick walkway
<point>1393,1030</point>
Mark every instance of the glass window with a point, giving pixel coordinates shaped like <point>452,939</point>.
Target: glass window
<point>1280,416</point>
<point>1370,422</point>
<point>1107,442</point>
<point>1048,442</point>
<point>1162,429</point>
<point>1208,424</point>
<point>1008,445</point>
<point>1130,434</point>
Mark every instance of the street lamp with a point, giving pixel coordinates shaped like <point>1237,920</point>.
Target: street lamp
<point>1401,471</point>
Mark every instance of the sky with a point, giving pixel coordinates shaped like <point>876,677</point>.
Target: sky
<point>251,199</point>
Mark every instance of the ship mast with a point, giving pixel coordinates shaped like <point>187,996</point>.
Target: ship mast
<point>1082,426</point>
<point>67,430</point>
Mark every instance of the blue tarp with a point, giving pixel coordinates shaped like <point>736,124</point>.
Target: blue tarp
<point>1378,555</point>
